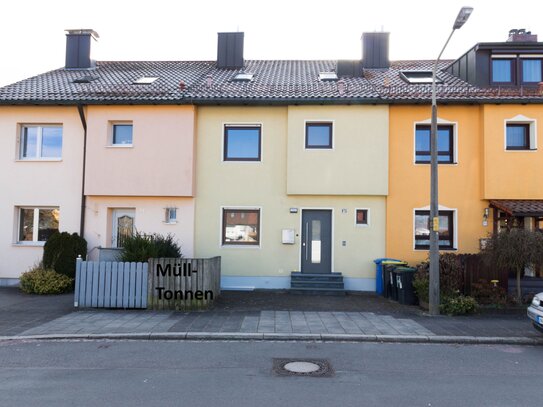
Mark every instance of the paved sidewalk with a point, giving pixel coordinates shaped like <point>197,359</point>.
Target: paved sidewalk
<point>255,315</point>
<point>100,322</point>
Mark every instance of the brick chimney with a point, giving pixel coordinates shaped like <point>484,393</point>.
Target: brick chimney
<point>521,35</point>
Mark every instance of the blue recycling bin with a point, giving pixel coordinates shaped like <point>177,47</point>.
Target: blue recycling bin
<point>379,286</point>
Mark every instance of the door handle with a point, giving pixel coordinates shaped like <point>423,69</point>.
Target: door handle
<point>306,237</point>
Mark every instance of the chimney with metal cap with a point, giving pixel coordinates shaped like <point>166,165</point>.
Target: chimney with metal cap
<point>521,35</point>
<point>78,48</point>
<point>375,50</point>
<point>230,51</point>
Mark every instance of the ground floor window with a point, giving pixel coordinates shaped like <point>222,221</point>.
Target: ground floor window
<point>241,227</point>
<point>37,224</point>
<point>422,230</point>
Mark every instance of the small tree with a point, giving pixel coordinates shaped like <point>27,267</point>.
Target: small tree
<point>514,250</point>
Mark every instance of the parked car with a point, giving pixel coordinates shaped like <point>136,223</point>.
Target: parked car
<point>535,312</point>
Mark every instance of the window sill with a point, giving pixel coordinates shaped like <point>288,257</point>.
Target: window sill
<point>455,163</point>
<point>28,244</point>
<point>120,146</point>
<point>240,246</point>
<point>520,150</point>
<point>441,249</point>
<point>361,226</point>
<point>170,223</point>
<point>24,160</point>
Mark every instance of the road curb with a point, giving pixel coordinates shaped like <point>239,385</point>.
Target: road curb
<point>252,336</point>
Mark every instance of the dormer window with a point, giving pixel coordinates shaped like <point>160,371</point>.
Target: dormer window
<point>145,80</point>
<point>328,76</point>
<point>244,77</point>
<point>419,77</point>
<point>531,70</point>
<point>502,70</point>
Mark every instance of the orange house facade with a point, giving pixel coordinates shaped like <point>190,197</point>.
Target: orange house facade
<point>480,180</point>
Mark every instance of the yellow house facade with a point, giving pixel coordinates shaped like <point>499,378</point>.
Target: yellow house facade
<point>288,181</point>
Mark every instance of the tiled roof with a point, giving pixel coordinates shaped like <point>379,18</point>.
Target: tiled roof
<point>276,81</point>
<point>519,207</point>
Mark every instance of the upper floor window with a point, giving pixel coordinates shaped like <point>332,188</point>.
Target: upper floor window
<point>318,135</point>
<point>37,224</point>
<point>531,70</point>
<point>445,144</point>
<point>39,142</point>
<point>122,134</point>
<point>242,143</point>
<point>503,70</point>
<point>518,136</point>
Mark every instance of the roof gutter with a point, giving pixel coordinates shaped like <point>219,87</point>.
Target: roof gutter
<point>81,110</point>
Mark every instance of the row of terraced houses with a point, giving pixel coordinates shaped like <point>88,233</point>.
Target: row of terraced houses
<point>277,166</point>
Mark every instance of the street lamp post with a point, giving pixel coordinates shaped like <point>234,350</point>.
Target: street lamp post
<point>462,17</point>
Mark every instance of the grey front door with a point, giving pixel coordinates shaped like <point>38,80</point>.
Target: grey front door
<point>316,241</point>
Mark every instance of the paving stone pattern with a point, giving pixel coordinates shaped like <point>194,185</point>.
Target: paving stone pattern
<point>97,322</point>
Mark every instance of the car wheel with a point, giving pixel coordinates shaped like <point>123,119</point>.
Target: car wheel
<point>537,327</point>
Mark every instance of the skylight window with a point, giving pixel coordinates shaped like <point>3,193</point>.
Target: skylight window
<point>85,79</point>
<point>145,80</point>
<point>244,76</point>
<point>419,77</point>
<point>328,76</point>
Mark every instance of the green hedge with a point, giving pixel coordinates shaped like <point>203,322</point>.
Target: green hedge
<point>61,250</point>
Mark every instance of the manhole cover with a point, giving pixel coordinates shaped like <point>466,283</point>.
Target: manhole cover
<point>302,367</point>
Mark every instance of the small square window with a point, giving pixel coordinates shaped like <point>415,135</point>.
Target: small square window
<point>422,230</point>
<point>445,144</point>
<point>122,134</point>
<point>171,215</point>
<point>241,227</point>
<point>518,136</point>
<point>318,135</point>
<point>37,224</point>
<point>242,143</point>
<point>362,217</point>
<point>39,142</point>
<point>502,71</point>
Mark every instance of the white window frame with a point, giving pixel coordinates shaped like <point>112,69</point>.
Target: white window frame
<point>168,215</point>
<point>520,119</point>
<point>368,218</point>
<point>439,122</point>
<point>35,225</point>
<point>455,227</point>
<point>241,246</point>
<point>39,141</point>
<point>111,133</point>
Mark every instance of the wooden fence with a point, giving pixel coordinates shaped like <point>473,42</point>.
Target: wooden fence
<point>183,284</point>
<point>110,284</point>
<point>476,269</point>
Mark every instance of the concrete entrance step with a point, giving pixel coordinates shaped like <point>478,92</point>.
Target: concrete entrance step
<point>317,284</point>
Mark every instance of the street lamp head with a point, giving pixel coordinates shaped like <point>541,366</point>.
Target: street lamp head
<point>463,16</point>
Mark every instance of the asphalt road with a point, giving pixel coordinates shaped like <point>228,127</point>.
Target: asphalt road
<point>162,373</point>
